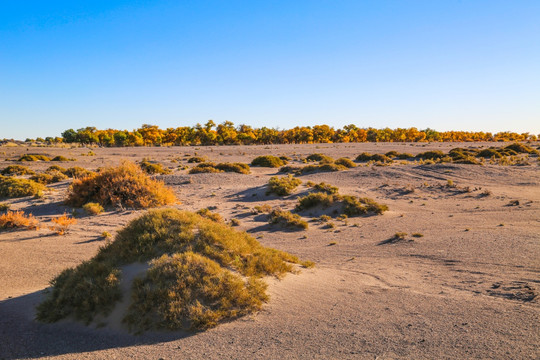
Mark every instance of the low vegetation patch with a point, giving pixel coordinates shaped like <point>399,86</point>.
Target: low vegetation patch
<point>268,161</point>
<point>196,159</point>
<point>77,172</point>
<point>62,158</point>
<point>325,188</point>
<point>373,157</point>
<point>343,204</point>
<point>302,170</point>
<point>34,157</point>
<point>49,177</point>
<point>13,187</point>
<point>93,208</point>
<point>122,186</point>
<point>206,213</point>
<point>18,219</point>
<point>287,219</point>
<point>348,163</point>
<point>61,224</point>
<point>200,273</point>
<point>17,170</point>
<point>240,168</point>
<point>321,158</point>
<point>153,168</point>
<point>283,185</point>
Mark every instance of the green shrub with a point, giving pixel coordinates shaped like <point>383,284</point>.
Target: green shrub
<point>123,186</point>
<point>316,199</point>
<point>204,168</point>
<point>348,163</point>
<point>55,168</point>
<point>17,170</point>
<point>153,168</point>
<point>240,168</point>
<point>326,188</point>
<point>268,161</point>
<point>34,157</point>
<point>283,186</point>
<point>287,219</point>
<point>321,168</point>
<point>14,188</point>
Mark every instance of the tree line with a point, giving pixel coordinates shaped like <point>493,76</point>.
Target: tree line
<point>229,134</point>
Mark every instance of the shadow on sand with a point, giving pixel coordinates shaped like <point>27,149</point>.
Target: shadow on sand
<point>23,337</point>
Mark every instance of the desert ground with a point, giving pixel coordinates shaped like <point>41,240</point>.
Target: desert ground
<point>468,288</point>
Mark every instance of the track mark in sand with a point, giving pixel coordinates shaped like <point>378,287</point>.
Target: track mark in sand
<point>513,290</point>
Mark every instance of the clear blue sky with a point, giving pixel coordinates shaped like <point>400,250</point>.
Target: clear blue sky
<point>447,65</point>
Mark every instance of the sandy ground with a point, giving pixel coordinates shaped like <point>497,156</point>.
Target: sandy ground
<point>466,289</point>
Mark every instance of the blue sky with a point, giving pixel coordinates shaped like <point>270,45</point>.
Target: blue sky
<point>447,65</point>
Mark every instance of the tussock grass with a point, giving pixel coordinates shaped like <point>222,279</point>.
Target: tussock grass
<point>197,159</point>
<point>348,163</point>
<point>93,208</point>
<point>287,219</point>
<point>206,213</point>
<point>14,188</point>
<point>54,168</point>
<point>5,206</point>
<point>153,168</point>
<point>77,172</point>
<point>326,188</point>
<point>325,159</point>
<point>373,157</point>
<point>521,149</point>
<point>201,273</point>
<point>122,186</point>
<point>431,155</point>
<point>283,186</point>
<point>301,170</point>
<point>17,170</point>
<point>61,158</point>
<point>347,204</point>
<point>34,157</point>
<point>268,161</point>
<point>49,177</point>
<point>18,219</point>
<point>240,168</point>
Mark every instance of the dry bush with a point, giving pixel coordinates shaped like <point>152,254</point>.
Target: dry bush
<point>122,186</point>
<point>61,224</point>
<point>259,209</point>
<point>13,187</point>
<point>4,206</point>
<point>348,163</point>
<point>240,168</point>
<point>61,158</point>
<point>197,159</point>
<point>34,157</point>
<point>268,161</point>
<point>287,219</point>
<point>18,219</point>
<point>17,170</point>
<point>93,208</point>
<point>489,153</point>
<point>300,170</point>
<point>153,168</point>
<point>206,213</point>
<point>201,273</point>
<point>347,204</point>
<point>520,149</point>
<point>54,168</point>
<point>326,188</point>
<point>431,155</point>
<point>283,186</point>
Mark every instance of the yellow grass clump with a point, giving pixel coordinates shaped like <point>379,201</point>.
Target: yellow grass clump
<point>13,188</point>
<point>122,186</point>
<point>61,224</point>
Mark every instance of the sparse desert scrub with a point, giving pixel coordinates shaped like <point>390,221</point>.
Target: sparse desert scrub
<point>521,148</point>
<point>54,168</point>
<point>34,157</point>
<point>346,204</point>
<point>326,188</point>
<point>268,161</point>
<point>259,209</point>
<point>197,159</point>
<point>283,186</point>
<point>431,155</point>
<point>400,236</point>
<point>93,208</point>
<point>489,153</point>
<point>373,157</point>
<point>5,206</point>
<point>321,158</point>
<point>62,158</point>
<point>122,186</point>
<point>348,163</point>
<point>287,219</point>
<point>77,172</point>
<point>12,187</point>
<point>18,219</point>
<point>153,168</point>
<point>49,177</point>
<point>299,170</point>
<point>240,168</point>
<point>202,273</point>
<point>61,224</point>
<point>17,170</point>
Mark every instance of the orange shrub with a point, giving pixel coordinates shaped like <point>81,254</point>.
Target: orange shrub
<point>62,223</point>
<point>122,186</point>
<point>17,219</point>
